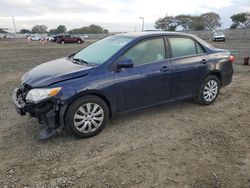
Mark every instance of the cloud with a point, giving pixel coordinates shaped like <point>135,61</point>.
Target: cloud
<point>114,14</point>
<point>40,7</point>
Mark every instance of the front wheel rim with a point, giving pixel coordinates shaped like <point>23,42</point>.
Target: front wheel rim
<point>210,90</point>
<point>88,117</point>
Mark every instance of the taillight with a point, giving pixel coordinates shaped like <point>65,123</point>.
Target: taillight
<point>231,58</point>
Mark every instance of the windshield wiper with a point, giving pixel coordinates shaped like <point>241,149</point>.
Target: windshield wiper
<point>80,60</point>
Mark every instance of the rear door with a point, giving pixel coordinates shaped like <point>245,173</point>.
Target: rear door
<point>68,38</point>
<point>190,64</point>
<point>73,39</point>
<point>148,82</point>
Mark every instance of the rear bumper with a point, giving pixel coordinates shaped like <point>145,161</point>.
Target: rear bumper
<point>49,114</point>
<point>226,79</point>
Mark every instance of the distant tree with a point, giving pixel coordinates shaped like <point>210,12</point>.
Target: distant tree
<point>167,23</point>
<point>23,31</point>
<point>188,22</point>
<point>197,23</point>
<point>210,20</point>
<point>95,29</point>
<point>52,31</point>
<point>39,29</point>
<point>185,21</point>
<point>58,30</point>
<point>233,26</point>
<point>61,29</point>
<point>105,31</point>
<point>75,31</point>
<point>241,20</point>
<point>89,29</point>
<point>207,21</point>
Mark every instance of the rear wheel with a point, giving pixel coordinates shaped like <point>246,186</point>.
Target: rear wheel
<point>209,90</point>
<point>62,42</point>
<point>79,42</point>
<point>87,116</point>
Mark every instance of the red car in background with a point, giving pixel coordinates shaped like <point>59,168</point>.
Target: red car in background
<point>62,39</point>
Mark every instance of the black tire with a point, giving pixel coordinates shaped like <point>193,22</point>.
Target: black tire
<point>200,97</point>
<point>79,42</point>
<point>73,108</point>
<point>62,42</point>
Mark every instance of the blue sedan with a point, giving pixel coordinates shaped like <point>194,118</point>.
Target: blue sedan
<point>118,74</point>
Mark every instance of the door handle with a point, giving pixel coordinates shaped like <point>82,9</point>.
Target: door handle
<point>164,69</point>
<point>203,61</point>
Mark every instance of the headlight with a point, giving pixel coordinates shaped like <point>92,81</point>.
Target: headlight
<point>36,95</point>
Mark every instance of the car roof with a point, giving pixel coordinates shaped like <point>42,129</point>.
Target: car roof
<point>153,33</point>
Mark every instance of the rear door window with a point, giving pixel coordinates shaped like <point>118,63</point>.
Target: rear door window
<point>184,47</point>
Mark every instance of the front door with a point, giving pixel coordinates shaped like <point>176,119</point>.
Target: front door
<point>148,82</point>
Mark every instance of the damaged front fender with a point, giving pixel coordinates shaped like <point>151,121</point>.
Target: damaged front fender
<point>48,113</point>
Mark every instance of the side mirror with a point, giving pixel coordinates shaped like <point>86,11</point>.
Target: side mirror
<point>125,63</point>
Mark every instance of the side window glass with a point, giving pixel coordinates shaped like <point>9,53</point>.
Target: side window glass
<point>147,51</point>
<point>200,50</point>
<point>182,46</point>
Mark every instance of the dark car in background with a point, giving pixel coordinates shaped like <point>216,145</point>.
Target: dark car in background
<point>53,38</point>
<point>63,39</point>
<point>118,74</point>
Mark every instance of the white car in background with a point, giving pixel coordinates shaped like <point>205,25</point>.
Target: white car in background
<point>50,38</point>
<point>35,37</point>
<point>9,35</point>
<point>219,36</point>
<point>83,37</point>
<point>2,36</point>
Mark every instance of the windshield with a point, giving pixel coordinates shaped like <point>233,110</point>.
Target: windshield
<point>219,33</point>
<point>102,50</point>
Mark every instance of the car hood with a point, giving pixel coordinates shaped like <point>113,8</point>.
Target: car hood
<point>54,71</point>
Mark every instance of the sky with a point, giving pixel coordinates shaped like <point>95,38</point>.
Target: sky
<point>114,15</point>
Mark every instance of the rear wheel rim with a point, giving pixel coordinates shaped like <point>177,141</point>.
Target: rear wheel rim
<point>210,90</point>
<point>88,117</point>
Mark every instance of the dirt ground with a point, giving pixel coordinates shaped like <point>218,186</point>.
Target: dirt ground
<point>174,145</point>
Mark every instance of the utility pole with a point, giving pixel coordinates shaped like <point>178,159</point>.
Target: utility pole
<point>142,27</point>
<point>14,24</point>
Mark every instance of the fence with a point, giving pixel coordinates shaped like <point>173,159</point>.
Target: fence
<point>231,34</point>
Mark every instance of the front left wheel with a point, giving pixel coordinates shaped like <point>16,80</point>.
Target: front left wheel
<point>87,116</point>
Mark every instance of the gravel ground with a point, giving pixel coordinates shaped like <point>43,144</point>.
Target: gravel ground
<point>174,145</point>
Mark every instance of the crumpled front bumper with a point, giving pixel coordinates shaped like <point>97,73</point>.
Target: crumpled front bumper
<point>19,103</point>
<point>48,113</point>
